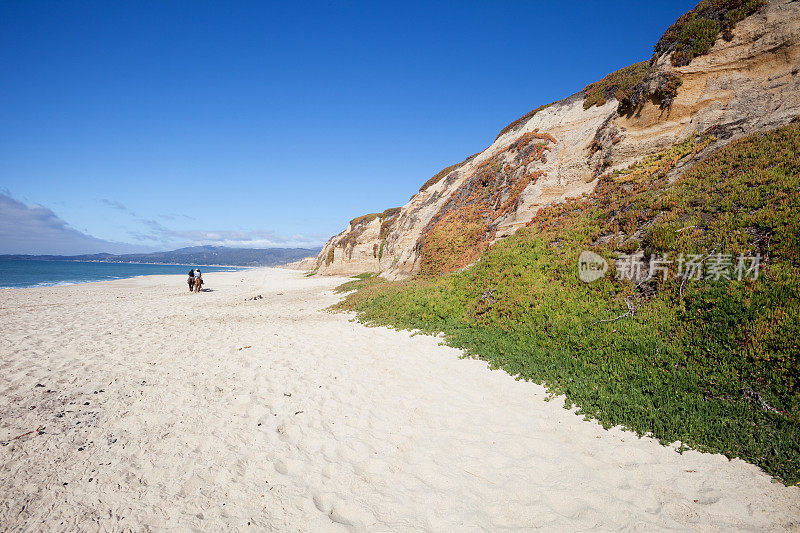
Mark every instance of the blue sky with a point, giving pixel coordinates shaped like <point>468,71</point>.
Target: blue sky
<point>159,124</point>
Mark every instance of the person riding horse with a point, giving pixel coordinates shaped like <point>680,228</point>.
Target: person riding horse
<point>198,280</point>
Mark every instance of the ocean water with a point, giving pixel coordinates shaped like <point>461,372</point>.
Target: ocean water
<point>30,273</point>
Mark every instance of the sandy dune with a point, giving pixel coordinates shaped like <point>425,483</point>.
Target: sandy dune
<point>164,409</point>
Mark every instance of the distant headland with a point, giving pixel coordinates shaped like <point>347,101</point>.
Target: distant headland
<point>193,255</point>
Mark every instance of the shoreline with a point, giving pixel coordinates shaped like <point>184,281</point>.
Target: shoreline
<point>155,408</point>
<point>66,283</point>
<point>132,263</point>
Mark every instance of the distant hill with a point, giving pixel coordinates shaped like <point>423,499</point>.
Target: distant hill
<point>193,255</point>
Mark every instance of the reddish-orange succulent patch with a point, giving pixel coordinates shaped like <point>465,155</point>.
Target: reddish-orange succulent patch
<point>467,222</point>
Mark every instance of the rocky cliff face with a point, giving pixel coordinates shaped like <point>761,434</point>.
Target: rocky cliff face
<point>746,80</point>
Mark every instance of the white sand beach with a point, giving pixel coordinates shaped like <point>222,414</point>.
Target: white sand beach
<point>134,405</point>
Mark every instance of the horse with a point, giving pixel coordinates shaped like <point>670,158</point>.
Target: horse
<point>198,283</point>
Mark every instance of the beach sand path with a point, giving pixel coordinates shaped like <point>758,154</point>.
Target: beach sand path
<point>134,404</point>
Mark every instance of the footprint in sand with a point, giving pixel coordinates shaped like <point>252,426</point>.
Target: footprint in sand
<point>289,467</point>
<point>350,516</point>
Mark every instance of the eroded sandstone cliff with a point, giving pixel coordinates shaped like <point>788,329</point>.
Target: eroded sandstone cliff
<point>746,79</point>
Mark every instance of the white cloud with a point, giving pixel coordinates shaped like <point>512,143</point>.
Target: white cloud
<point>114,204</point>
<point>232,238</point>
<point>35,229</point>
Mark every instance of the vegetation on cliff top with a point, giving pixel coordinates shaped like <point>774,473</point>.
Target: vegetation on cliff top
<point>713,363</point>
<point>618,84</point>
<point>357,226</point>
<point>522,120</point>
<point>695,32</point>
<point>633,86</point>
<point>692,35</point>
<point>439,176</point>
<point>364,219</point>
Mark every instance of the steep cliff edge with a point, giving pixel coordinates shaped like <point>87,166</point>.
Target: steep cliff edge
<point>728,66</point>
